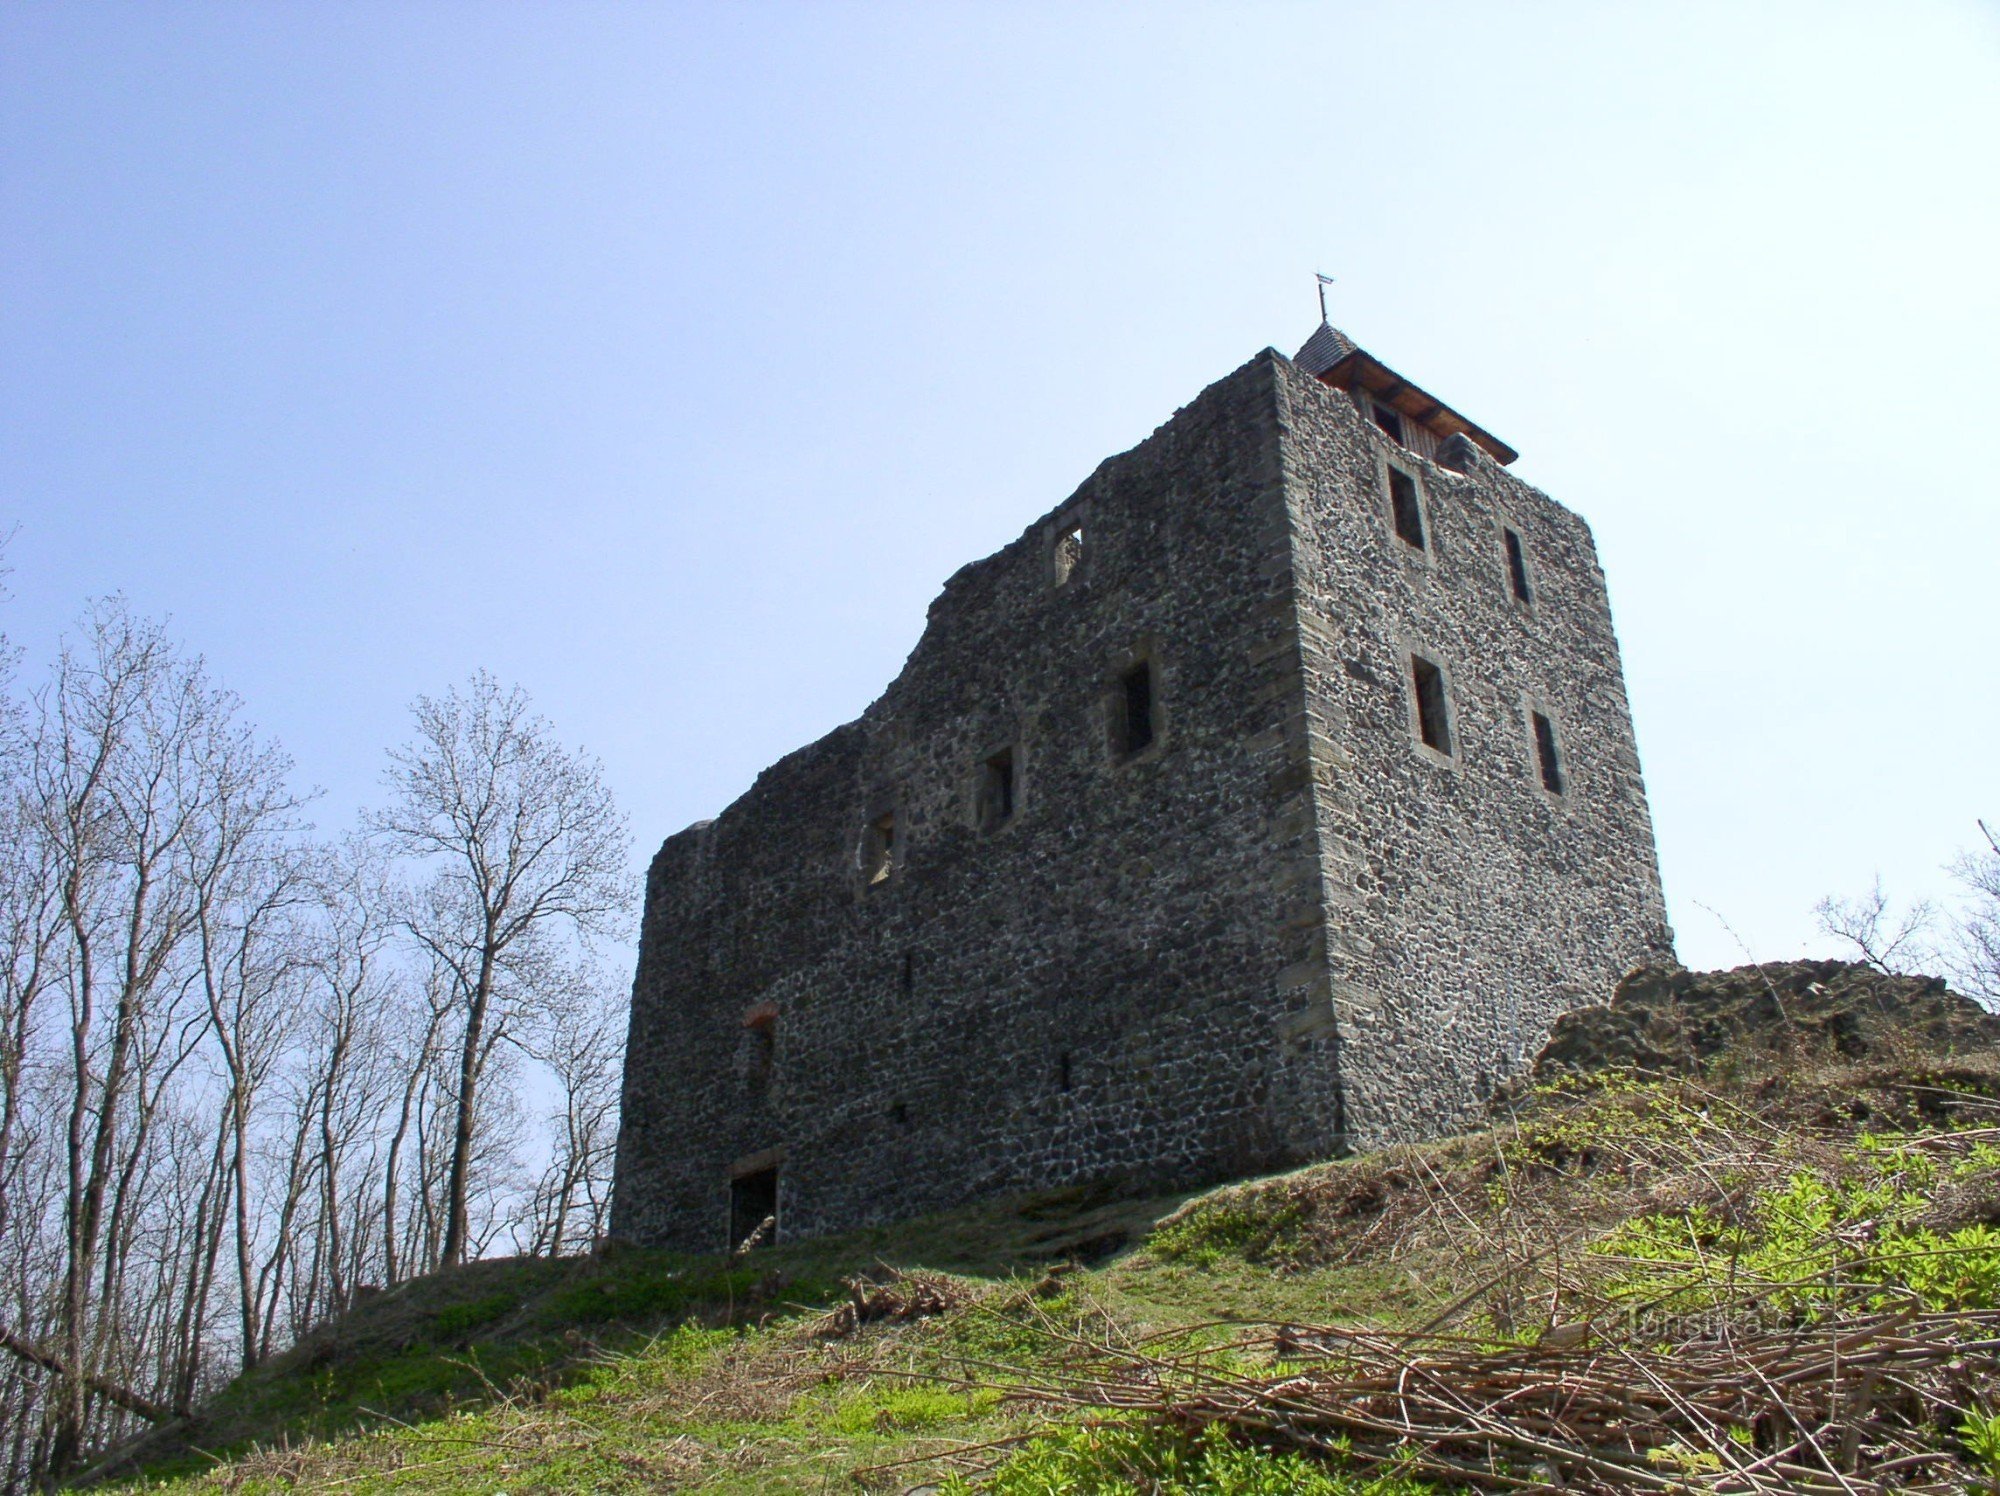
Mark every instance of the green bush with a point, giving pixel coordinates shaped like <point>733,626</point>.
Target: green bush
<point>459,1319</point>
<point>1151,1460</point>
<point>1808,1241</point>
<point>1252,1226</point>
<point>1980,1434</point>
<point>659,1293</point>
<point>1575,1119</point>
<point>881,1410</point>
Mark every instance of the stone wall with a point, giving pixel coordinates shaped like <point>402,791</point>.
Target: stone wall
<point>1279,923</point>
<point>1468,906</point>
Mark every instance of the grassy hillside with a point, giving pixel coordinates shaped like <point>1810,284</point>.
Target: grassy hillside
<point>1776,1269</point>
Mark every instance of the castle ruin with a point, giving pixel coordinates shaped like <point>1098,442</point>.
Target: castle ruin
<point>1271,796</point>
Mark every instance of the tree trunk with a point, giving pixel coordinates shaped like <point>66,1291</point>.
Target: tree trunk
<point>457,1218</point>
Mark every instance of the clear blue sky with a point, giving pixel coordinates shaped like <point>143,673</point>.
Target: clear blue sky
<point>666,359</point>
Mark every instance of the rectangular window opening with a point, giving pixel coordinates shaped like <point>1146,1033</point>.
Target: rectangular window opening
<point>999,789</point>
<point>1135,708</point>
<point>760,1045</point>
<point>1068,553</point>
<point>1388,420</point>
<point>1545,754</point>
<point>1433,720</point>
<point>1517,567</point>
<point>753,1210</point>
<point>1403,505</point>
<point>878,849</point>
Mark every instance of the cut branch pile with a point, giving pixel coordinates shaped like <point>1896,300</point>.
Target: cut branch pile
<point>1855,1401</point>
<point>1742,1294</point>
<point>906,1295</point>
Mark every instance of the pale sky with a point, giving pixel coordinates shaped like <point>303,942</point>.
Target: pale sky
<point>667,359</point>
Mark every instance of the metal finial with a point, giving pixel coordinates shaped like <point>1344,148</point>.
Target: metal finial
<point>1324,282</point>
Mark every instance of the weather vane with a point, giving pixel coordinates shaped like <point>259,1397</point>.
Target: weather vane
<point>1324,282</point>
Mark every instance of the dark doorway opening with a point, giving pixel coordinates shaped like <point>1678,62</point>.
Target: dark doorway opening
<point>753,1201</point>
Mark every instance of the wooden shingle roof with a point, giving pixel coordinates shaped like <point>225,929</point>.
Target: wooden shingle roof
<point>1337,359</point>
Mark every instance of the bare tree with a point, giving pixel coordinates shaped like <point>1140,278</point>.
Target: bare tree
<point>417,1036</point>
<point>141,783</point>
<point>523,849</point>
<point>1976,932</point>
<point>1881,938</point>
<point>346,1077</point>
<point>242,1074</point>
<point>1958,938</point>
<point>29,964</point>
<point>252,883</point>
<point>584,1053</point>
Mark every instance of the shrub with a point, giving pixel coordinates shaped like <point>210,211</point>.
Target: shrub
<point>1815,1236</point>
<point>880,1410</point>
<point>460,1319</point>
<point>1153,1460</point>
<point>1252,1225</point>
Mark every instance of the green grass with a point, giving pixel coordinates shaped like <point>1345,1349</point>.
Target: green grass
<point>1134,1459</point>
<point>634,1368</point>
<point>1243,1225</point>
<point>638,1371</point>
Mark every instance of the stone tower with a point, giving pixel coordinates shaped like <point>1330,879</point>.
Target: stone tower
<point>1270,796</point>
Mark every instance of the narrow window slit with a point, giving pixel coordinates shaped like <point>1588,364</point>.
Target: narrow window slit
<point>1517,567</point>
<point>1068,553</point>
<point>878,849</point>
<point>1403,505</point>
<point>760,1045</point>
<point>1546,757</point>
<point>1135,708</point>
<point>999,789</point>
<point>1433,718</point>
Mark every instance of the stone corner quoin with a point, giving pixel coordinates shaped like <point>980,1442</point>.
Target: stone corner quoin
<point>1272,795</point>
